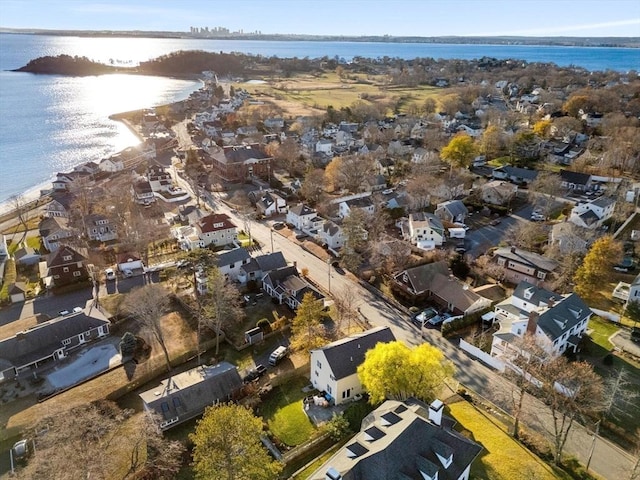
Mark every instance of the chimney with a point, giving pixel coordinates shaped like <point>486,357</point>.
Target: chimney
<point>532,324</point>
<point>435,412</point>
<point>513,249</point>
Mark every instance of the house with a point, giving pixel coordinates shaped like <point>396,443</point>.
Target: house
<point>240,162</point>
<point>231,262</point>
<point>593,214</point>
<point>332,235</point>
<point>63,267</point>
<point>111,165</point>
<point>270,203</point>
<point>274,123</point>
<point>426,230</point>
<point>259,266</point>
<point>498,192</point>
<point>59,206</point>
<point>26,255</point>
<point>129,262</point>
<point>324,146</point>
<point>217,230</point>
<point>142,192</point>
<point>433,282</point>
<point>304,218</point>
<point>364,203</point>
<point>576,180</point>
<point>186,395</point>
<point>50,340</point>
<point>453,211</point>
<point>634,290</point>
<point>556,321</point>
<point>52,230</point>
<point>403,440</point>
<point>522,265</point>
<point>285,285</point>
<point>99,228</point>
<point>568,237</point>
<point>334,366</point>
<point>17,292</point>
<point>517,175</point>
<point>188,237</point>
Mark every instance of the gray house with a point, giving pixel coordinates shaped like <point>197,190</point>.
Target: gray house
<point>452,211</point>
<point>50,340</point>
<point>187,395</point>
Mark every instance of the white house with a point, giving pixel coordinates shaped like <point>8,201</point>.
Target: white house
<point>425,230</point>
<point>53,230</point>
<point>593,214</point>
<point>128,262</point>
<point>304,218</point>
<point>230,263</point>
<point>332,235</point>
<point>285,285</point>
<point>142,192</point>
<point>188,237</point>
<point>334,366</point>
<point>324,146</point>
<point>364,203</point>
<point>99,228</point>
<point>634,290</point>
<point>216,229</point>
<point>556,321</point>
<point>111,165</point>
<point>270,203</point>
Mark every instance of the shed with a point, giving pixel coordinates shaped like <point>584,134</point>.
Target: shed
<point>255,335</point>
<point>18,292</point>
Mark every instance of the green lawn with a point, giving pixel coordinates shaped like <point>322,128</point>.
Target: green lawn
<point>284,414</point>
<point>502,457</point>
<point>601,331</point>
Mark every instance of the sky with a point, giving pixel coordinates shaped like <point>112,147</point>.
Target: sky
<point>425,18</point>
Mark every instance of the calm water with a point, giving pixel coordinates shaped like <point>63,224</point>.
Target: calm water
<point>52,123</point>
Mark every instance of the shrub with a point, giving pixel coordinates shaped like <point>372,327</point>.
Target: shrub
<point>338,427</point>
<point>608,359</point>
<point>355,413</point>
<point>263,324</point>
<point>128,344</point>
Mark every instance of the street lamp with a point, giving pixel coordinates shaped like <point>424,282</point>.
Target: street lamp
<point>329,273</point>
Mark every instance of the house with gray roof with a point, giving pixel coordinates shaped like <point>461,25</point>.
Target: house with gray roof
<point>515,175</point>
<point>285,285</point>
<point>403,440</point>
<point>593,214</point>
<point>186,395</point>
<point>522,265</point>
<point>362,202</point>
<point>259,266</point>
<point>425,230</point>
<point>453,211</point>
<point>230,262</point>
<point>332,235</point>
<point>270,203</point>
<point>50,340</point>
<point>556,321</point>
<point>434,283</point>
<point>52,230</point>
<point>334,366</point>
<point>304,218</point>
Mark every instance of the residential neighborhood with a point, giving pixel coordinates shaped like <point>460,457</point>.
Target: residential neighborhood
<point>245,255</point>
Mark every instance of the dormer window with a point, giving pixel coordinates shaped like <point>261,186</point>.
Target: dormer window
<point>67,258</point>
<point>528,293</point>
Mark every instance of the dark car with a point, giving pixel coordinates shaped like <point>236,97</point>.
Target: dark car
<point>635,334</point>
<point>255,373</point>
<point>336,266</point>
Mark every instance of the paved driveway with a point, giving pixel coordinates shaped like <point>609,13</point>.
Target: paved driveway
<point>622,339</point>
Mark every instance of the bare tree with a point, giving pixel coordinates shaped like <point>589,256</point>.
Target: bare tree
<point>347,304</point>
<point>22,211</point>
<point>221,303</point>
<point>544,190</point>
<point>148,304</point>
<point>527,235</point>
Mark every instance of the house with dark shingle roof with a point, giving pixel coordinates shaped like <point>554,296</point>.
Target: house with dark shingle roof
<point>364,203</point>
<point>186,395</point>
<point>304,218</point>
<point>230,262</point>
<point>452,211</point>
<point>259,266</point>
<point>50,340</point>
<point>52,230</point>
<point>403,440</point>
<point>556,321</point>
<point>594,213</point>
<point>63,267</point>
<point>334,366</point>
<point>270,203</point>
<point>425,230</point>
<point>575,180</point>
<point>286,285</point>
<point>515,175</point>
<point>522,265</point>
<point>433,282</point>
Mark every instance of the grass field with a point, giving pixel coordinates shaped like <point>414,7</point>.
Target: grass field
<point>502,457</point>
<point>601,331</point>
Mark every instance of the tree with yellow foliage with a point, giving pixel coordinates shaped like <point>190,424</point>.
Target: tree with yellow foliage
<point>459,151</point>
<point>597,266</point>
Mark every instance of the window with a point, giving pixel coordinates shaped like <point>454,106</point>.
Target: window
<point>319,364</point>
<point>66,341</point>
<point>315,372</point>
<point>66,258</point>
<point>501,262</point>
<point>56,277</point>
<point>65,269</point>
<point>541,275</point>
<point>329,389</point>
<point>76,274</point>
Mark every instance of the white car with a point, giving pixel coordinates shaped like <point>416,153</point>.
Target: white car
<point>110,274</point>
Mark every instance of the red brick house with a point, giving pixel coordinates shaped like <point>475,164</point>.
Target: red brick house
<point>240,162</point>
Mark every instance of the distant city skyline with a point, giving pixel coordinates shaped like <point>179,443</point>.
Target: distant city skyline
<point>424,18</point>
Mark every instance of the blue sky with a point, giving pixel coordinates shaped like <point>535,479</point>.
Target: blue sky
<point>588,18</point>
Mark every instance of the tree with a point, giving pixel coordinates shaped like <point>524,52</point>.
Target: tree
<point>221,303</point>
<point>572,391</point>
<point>633,310</point>
<point>459,151</point>
<point>597,266</point>
<point>148,304</point>
<point>128,344</point>
<point>492,142</point>
<point>527,236</point>
<point>227,446</point>
<point>545,187</point>
<point>22,211</point>
<point>338,427</point>
<point>355,233</point>
<point>541,128</point>
<point>313,185</point>
<point>396,372</point>
<point>96,441</point>
<point>346,304</point>
<point>307,329</point>
<point>525,147</point>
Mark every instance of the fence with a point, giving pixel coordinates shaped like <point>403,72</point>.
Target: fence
<point>482,356</point>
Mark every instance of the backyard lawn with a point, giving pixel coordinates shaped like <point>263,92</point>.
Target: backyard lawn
<point>284,413</point>
<point>502,457</point>
<point>601,331</point>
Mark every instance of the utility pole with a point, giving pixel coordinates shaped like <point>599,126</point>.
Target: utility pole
<point>593,443</point>
<point>271,234</point>
<point>329,273</point>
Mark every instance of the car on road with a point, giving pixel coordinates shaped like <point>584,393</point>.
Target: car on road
<point>495,221</point>
<point>537,217</point>
<point>63,313</point>
<point>424,316</point>
<point>110,274</point>
<point>278,226</point>
<point>255,373</point>
<point>635,334</point>
<point>460,247</point>
<point>336,266</point>
<point>301,236</point>
<point>77,309</point>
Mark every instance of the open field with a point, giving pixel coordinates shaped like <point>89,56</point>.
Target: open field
<point>312,94</point>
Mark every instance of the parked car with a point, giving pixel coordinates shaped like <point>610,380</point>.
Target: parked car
<point>336,266</point>
<point>301,236</point>
<point>110,274</point>
<point>255,373</point>
<point>278,225</point>
<point>635,334</point>
<point>495,221</point>
<point>460,248</point>
<point>424,316</point>
<point>537,217</point>
<point>438,319</point>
